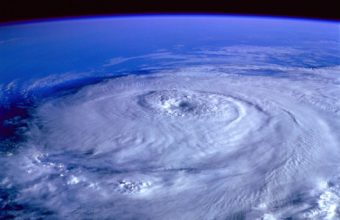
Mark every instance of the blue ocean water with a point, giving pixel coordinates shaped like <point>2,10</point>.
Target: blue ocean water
<point>54,47</point>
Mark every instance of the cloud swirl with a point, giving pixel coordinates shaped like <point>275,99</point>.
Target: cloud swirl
<point>196,142</point>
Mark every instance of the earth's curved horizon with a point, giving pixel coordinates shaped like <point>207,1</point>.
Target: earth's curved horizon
<point>170,117</point>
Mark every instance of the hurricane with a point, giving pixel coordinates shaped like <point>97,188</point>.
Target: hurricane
<point>256,140</point>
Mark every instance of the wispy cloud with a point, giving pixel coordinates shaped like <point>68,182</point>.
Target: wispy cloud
<point>237,54</point>
<point>10,40</point>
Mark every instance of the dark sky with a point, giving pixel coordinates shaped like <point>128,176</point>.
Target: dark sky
<point>21,10</point>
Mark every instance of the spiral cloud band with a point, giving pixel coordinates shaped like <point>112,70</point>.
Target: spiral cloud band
<point>190,143</point>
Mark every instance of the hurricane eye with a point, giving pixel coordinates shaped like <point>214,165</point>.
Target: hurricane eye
<point>179,103</point>
<point>186,106</point>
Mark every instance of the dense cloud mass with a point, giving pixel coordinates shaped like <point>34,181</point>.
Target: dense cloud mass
<point>199,142</point>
